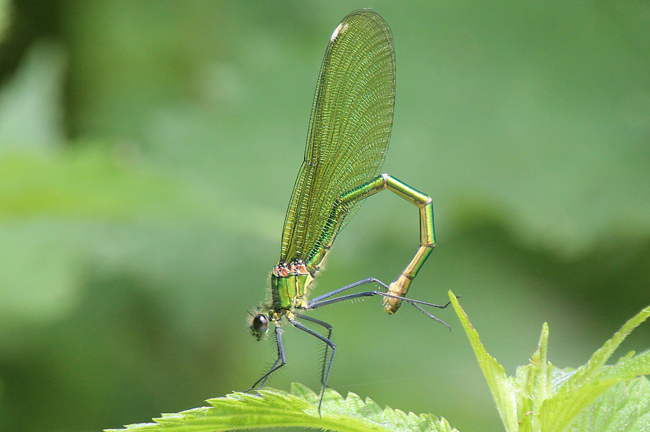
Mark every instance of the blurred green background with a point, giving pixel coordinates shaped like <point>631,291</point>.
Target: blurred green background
<point>147,154</point>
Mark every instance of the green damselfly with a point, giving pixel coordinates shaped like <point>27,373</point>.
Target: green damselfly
<point>348,136</point>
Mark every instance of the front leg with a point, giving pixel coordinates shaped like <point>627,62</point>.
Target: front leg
<point>281,360</point>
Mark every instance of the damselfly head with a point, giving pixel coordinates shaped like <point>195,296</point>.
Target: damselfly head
<point>259,325</point>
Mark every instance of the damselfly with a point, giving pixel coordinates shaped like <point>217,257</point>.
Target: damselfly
<point>348,136</point>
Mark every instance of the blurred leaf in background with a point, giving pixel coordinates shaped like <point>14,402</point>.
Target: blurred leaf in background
<point>147,154</point>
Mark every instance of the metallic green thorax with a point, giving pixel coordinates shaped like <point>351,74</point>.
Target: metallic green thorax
<point>288,285</point>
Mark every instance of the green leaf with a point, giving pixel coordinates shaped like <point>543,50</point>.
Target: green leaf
<point>624,407</point>
<point>501,386</point>
<point>275,408</point>
<point>628,367</point>
<point>543,398</point>
<point>589,381</point>
<point>533,385</point>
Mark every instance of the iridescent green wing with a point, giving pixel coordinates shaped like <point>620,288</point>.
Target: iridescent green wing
<point>349,130</point>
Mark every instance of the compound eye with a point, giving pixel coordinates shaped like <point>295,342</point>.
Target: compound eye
<point>259,326</point>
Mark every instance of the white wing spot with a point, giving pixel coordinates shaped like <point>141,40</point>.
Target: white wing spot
<point>340,29</point>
